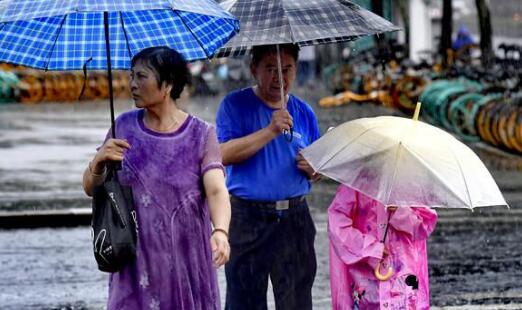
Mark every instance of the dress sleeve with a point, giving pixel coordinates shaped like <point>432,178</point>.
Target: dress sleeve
<point>418,222</point>
<point>349,243</point>
<point>211,153</point>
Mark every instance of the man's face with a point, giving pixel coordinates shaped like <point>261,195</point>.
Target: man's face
<point>267,78</point>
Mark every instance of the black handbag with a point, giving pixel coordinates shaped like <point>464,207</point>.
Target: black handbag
<point>114,224</point>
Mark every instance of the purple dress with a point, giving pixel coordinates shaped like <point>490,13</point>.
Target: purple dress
<point>173,268</point>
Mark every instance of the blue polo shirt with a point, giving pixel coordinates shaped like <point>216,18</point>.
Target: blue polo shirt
<point>271,174</point>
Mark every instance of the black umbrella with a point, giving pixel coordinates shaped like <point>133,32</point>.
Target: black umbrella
<point>302,22</point>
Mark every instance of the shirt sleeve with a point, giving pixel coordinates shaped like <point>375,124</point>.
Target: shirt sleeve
<point>227,122</point>
<point>211,153</point>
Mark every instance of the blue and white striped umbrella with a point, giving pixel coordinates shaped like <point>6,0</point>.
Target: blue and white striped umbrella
<point>64,34</point>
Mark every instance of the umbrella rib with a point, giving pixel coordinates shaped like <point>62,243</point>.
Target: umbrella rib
<point>392,181</point>
<point>285,14</point>
<point>125,34</point>
<point>436,175</point>
<point>388,190</point>
<point>54,43</point>
<point>193,34</point>
<point>463,177</point>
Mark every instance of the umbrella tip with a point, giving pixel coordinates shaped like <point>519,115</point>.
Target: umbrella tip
<point>417,111</point>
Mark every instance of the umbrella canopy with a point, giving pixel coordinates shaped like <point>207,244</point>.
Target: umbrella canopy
<point>63,35</point>
<point>301,22</point>
<point>71,35</point>
<point>404,162</point>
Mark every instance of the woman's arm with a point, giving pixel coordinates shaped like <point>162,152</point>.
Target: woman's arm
<point>219,206</point>
<point>93,176</point>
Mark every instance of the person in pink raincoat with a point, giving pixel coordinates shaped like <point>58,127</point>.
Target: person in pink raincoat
<point>356,227</point>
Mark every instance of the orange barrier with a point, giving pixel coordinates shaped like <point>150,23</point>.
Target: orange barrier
<point>65,86</point>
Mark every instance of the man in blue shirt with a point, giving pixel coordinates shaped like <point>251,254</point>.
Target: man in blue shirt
<point>271,231</point>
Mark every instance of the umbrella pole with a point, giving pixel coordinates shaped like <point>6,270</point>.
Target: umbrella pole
<point>386,229</point>
<point>115,165</point>
<point>288,134</point>
<point>109,70</point>
<point>377,270</point>
<point>280,74</point>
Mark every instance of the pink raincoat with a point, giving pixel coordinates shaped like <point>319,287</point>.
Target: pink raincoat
<point>356,225</point>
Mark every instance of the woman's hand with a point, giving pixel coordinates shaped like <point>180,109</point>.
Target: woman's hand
<point>94,174</point>
<point>220,248</point>
<point>112,150</point>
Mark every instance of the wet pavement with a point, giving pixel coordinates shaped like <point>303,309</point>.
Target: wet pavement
<point>474,257</point>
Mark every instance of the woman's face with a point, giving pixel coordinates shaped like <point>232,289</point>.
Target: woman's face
<point>144,87</point>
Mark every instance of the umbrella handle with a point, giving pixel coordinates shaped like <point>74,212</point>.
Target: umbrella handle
<point>289,134</point>
<point>381,277</point>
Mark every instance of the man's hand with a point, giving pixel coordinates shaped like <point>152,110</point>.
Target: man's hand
<point>281,121</point>
<point>304,166</point>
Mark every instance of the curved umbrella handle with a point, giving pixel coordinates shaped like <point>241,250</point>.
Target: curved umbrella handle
<point>381,277</point>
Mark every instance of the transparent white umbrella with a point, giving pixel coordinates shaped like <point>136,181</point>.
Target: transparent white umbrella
<point>404,162</point>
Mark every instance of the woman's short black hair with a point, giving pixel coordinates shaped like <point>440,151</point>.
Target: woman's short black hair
<point>168,65</point>
<point>261,50</point>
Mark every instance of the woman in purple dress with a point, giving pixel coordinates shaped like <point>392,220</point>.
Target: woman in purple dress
<point>173,163</point>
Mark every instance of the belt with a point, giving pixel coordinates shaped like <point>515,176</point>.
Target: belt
<point>275,205</point>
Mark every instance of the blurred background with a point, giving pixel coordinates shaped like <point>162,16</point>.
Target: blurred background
<point>461,58</point>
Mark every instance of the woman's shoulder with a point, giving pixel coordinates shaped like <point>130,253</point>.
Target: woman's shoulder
<point>126,121</point>
<point>200,124</point>
<point>199,132</point>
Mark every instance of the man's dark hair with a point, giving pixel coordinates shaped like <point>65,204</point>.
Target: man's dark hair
<point>167,64</point>
<point>261,50</point>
